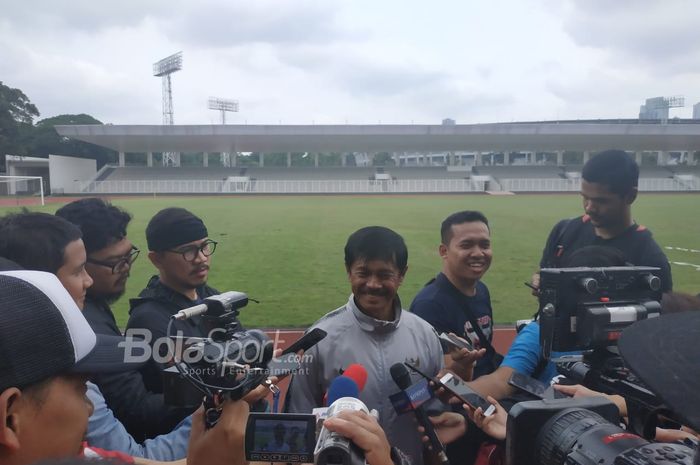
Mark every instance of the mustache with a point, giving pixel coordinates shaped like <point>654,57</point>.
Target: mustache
<point>374,292</point>
<point>200,268</point>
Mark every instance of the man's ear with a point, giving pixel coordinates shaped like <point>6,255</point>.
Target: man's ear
<point>442,250</point>
<point>10,417</point>
<point>155,258</point>
<point>631,196</point>
<point>403,275</point>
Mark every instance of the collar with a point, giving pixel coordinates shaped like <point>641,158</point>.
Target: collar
<point>370,324</point>
<point>446,285</point>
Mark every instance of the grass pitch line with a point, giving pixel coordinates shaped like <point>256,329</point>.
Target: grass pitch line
<point>682,249</point>
<point>697,267</point>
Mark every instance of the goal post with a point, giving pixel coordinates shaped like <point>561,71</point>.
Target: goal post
<point>21,190</point>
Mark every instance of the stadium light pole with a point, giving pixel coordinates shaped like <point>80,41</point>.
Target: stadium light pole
<point>163,69</point>
<point>224,105</point>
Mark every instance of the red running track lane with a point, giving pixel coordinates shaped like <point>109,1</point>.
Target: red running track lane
<point>282,338</point>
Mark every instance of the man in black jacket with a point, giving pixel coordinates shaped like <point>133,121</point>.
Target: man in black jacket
<point>608,189</point>
<point>179,246</point>
<point>110,255</point>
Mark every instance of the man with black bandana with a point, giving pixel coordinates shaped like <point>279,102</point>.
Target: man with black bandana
<point>179,246</point>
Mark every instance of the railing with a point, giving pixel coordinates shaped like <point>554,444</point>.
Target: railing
<point>360,186</point>
<point>325,186</point>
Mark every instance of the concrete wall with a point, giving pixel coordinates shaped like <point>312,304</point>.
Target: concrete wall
<point>65,171</point>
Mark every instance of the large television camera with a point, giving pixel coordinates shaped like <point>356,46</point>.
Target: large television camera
<point>586,309</point>
<point>226,365</point>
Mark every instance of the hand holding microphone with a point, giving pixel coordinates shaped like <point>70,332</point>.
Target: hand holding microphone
<point>402,378</point>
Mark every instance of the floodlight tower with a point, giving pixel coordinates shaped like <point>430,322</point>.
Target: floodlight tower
<point>223,105</point>
<point>164,68</point>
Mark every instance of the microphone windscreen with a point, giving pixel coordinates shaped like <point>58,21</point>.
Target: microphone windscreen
<point>342,386</point>
<point>357,373</point>
<point>400,375</point>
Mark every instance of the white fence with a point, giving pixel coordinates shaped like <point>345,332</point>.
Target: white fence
<point>325,186</point>
<point>360,186</point>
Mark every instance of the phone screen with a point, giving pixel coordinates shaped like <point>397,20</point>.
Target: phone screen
<point>470,397</point>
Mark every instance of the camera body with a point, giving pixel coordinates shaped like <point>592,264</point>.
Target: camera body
<point>587,308</point>
<point>229,363</point>
<point>291,438</point>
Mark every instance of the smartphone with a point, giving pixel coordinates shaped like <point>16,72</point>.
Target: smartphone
<point>306,342</point>
<point>454,341</point>
<point>534,387</point>
<point>466,394</point>
<point>284,365</point>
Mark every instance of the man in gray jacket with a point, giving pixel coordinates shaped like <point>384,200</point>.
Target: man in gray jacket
<point>370,329</point>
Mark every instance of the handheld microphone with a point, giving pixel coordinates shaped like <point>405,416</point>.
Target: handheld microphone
<point>357,373</point>
<point>402,378</point>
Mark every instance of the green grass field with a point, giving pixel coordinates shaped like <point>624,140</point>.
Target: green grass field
<point>287,252</point>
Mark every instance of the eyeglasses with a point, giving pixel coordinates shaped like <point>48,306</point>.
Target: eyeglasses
<point>120,264</point>
<point>192,252</point>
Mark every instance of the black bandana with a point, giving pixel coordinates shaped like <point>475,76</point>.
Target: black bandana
<point>177,233</point>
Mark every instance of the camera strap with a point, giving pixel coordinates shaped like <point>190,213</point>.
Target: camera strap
<point>491,353</point>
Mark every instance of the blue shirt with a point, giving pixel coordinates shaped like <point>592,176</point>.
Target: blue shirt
<point>442,305</point>
<point>106,432</point>
<point>525,353</point>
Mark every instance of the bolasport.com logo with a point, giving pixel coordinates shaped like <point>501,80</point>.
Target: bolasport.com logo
<point>243,349</point>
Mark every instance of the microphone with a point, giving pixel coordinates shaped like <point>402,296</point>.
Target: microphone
<point>357,373</point>
<point>215,305</point>
<point>402,378</point>
<point>342,386</point>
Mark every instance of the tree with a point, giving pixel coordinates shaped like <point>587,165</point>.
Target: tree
<point>16,116</point>
<point>44,140</point>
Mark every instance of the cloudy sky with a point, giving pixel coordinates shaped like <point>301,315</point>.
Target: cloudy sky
<point>353,61</point>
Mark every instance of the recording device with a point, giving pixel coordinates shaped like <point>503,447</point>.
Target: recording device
<point>280,437</point>
<point>587,308</point>
<point>227,365</point>
<point>334,449</point>
<point>581,431</point>
<point>400,375</point>
<point>450,341</point>
<point>306,342</point>
<point>459,389</point>
<point>534,387</point>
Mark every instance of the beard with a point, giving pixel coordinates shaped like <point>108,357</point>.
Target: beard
<point>111,298</point>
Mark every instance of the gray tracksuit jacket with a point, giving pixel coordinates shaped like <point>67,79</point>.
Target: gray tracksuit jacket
<point>354,337</point>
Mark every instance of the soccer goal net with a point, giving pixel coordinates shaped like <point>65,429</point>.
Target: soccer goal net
<point>21,190</point>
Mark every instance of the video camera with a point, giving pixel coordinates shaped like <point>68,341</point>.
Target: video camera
<point>291,438</point>
<point>227,365</point>
<point>586,309</point>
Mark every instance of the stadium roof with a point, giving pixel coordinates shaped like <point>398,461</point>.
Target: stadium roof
<point>540,136</point>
